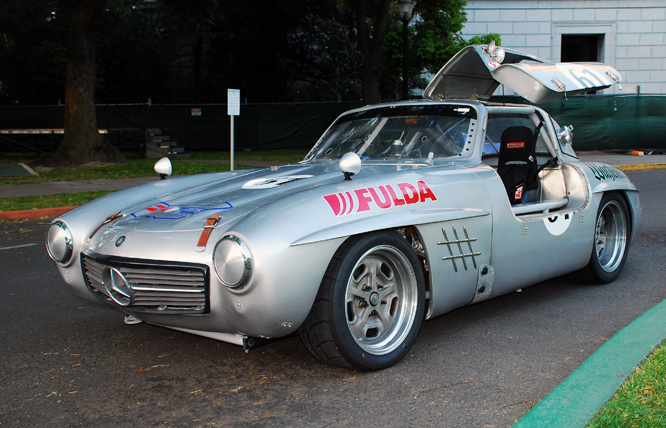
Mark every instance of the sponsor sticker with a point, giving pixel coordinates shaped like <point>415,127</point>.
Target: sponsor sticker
<point>411,121</point>
<point>164,211</point>
<point>515,145</point>
<point>606,172</point>
<point>383,197</point>
<point>494,64</point>
<point>519,193</point>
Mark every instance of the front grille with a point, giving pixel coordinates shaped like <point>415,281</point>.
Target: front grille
<point>154,286</point>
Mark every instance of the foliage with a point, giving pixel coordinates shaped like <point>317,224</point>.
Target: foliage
<point>135,46</point>
<point>182,52</point>
<point>434,37</point>
<point>32,51</point>
<point>641,401</point>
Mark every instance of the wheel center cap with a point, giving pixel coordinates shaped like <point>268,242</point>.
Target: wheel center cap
<point>374,299</point>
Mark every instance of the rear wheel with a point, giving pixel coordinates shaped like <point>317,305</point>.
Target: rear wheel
<point>611,240</point>
<point>370,304</point>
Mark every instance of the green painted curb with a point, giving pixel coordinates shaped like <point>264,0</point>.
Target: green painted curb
<point>575,401</point>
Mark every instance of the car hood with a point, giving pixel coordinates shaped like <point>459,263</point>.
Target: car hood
<point>230,196</point>
<point>477,70</point>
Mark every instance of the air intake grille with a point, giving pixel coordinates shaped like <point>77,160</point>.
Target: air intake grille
<point>154,287</point>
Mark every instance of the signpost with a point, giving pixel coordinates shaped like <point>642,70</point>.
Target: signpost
<point>233,109</point>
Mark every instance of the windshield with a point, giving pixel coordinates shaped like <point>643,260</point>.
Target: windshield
<point>399,132</point>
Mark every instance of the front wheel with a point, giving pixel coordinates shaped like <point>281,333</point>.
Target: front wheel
<point>611,240</point>
<point>370,304</point>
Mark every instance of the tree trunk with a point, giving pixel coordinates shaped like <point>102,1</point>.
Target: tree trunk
<point>371,46</point>
<point>82,142</point>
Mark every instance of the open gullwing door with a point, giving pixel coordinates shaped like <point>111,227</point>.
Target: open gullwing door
<point>476,71</point>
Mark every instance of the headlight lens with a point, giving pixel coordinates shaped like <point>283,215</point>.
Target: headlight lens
<point>233,262</point>
<point>59,242</point>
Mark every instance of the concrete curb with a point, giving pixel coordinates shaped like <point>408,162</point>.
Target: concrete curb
<point>575,401</point>
<point>33,214</point>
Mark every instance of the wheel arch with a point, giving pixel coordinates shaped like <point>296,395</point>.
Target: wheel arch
<point>412,236</point>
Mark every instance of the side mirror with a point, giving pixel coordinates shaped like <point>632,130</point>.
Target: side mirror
<point>565,135</point>
<point>350,164</point>
<point>163,167</point>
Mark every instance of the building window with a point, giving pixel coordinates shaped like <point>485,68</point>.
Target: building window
<point>582,48</point>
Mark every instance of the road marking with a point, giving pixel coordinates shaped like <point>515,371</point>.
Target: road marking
<point>16,246</point>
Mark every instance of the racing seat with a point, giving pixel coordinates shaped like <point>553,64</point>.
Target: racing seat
<point>517,165</point>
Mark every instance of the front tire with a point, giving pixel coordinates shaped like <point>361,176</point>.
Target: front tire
<point>370,304</point>
<point>611,240</point>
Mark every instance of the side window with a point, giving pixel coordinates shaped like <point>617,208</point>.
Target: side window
<point>497,124</point>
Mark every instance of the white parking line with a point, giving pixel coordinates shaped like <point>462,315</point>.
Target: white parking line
<point>17,246</point>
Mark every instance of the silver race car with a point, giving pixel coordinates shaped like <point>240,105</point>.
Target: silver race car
<point>401,212</point>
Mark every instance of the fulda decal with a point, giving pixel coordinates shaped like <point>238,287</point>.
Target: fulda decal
<point>606,172</point>
<point>384,196</point>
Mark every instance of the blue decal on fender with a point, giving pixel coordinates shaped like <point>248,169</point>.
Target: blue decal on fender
<point>177,212</point>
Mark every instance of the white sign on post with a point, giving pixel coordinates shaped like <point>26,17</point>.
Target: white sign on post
<point>233,109</point>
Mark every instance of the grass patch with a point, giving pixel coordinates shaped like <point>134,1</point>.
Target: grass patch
<point>641,401</point>
<point>49,201</point>
<point>137,167</point>
<point>132,169</point>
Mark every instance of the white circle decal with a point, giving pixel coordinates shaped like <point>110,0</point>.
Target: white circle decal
<point>559,224</point>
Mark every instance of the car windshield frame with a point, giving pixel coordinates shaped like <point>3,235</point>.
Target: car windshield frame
<point>400,133</point>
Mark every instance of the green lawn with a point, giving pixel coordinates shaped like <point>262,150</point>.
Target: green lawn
<point>49,201</point>
<point>641,401</point>
<point>136,167</point>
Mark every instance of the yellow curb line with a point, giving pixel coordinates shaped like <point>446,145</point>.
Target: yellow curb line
<point>640,167</point>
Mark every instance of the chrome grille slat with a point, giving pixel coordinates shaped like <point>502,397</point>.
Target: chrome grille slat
<point>154,288</point>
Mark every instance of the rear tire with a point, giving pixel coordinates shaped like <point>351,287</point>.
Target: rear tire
<point>370,304</point>
<point>611,240</point>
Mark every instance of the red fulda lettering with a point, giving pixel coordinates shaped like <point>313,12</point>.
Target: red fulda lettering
<point>409,192</point>
<point>396,200</point>
<point>425,192</point>
<point>363,199</point>
<point>386,203</point>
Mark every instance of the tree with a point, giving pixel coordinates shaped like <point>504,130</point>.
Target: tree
<point>433,39</point>
<point>82,142</point>
<point>372,20</point>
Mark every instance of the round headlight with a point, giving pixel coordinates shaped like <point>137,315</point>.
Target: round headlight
<point>233,262</point>
<point>59,242</point>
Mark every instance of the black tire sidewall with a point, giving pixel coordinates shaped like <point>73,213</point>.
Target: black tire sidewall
<point>598,274</point>
<point>354,354</point>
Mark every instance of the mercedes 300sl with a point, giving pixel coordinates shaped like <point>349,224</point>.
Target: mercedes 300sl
<point>401,212</point>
